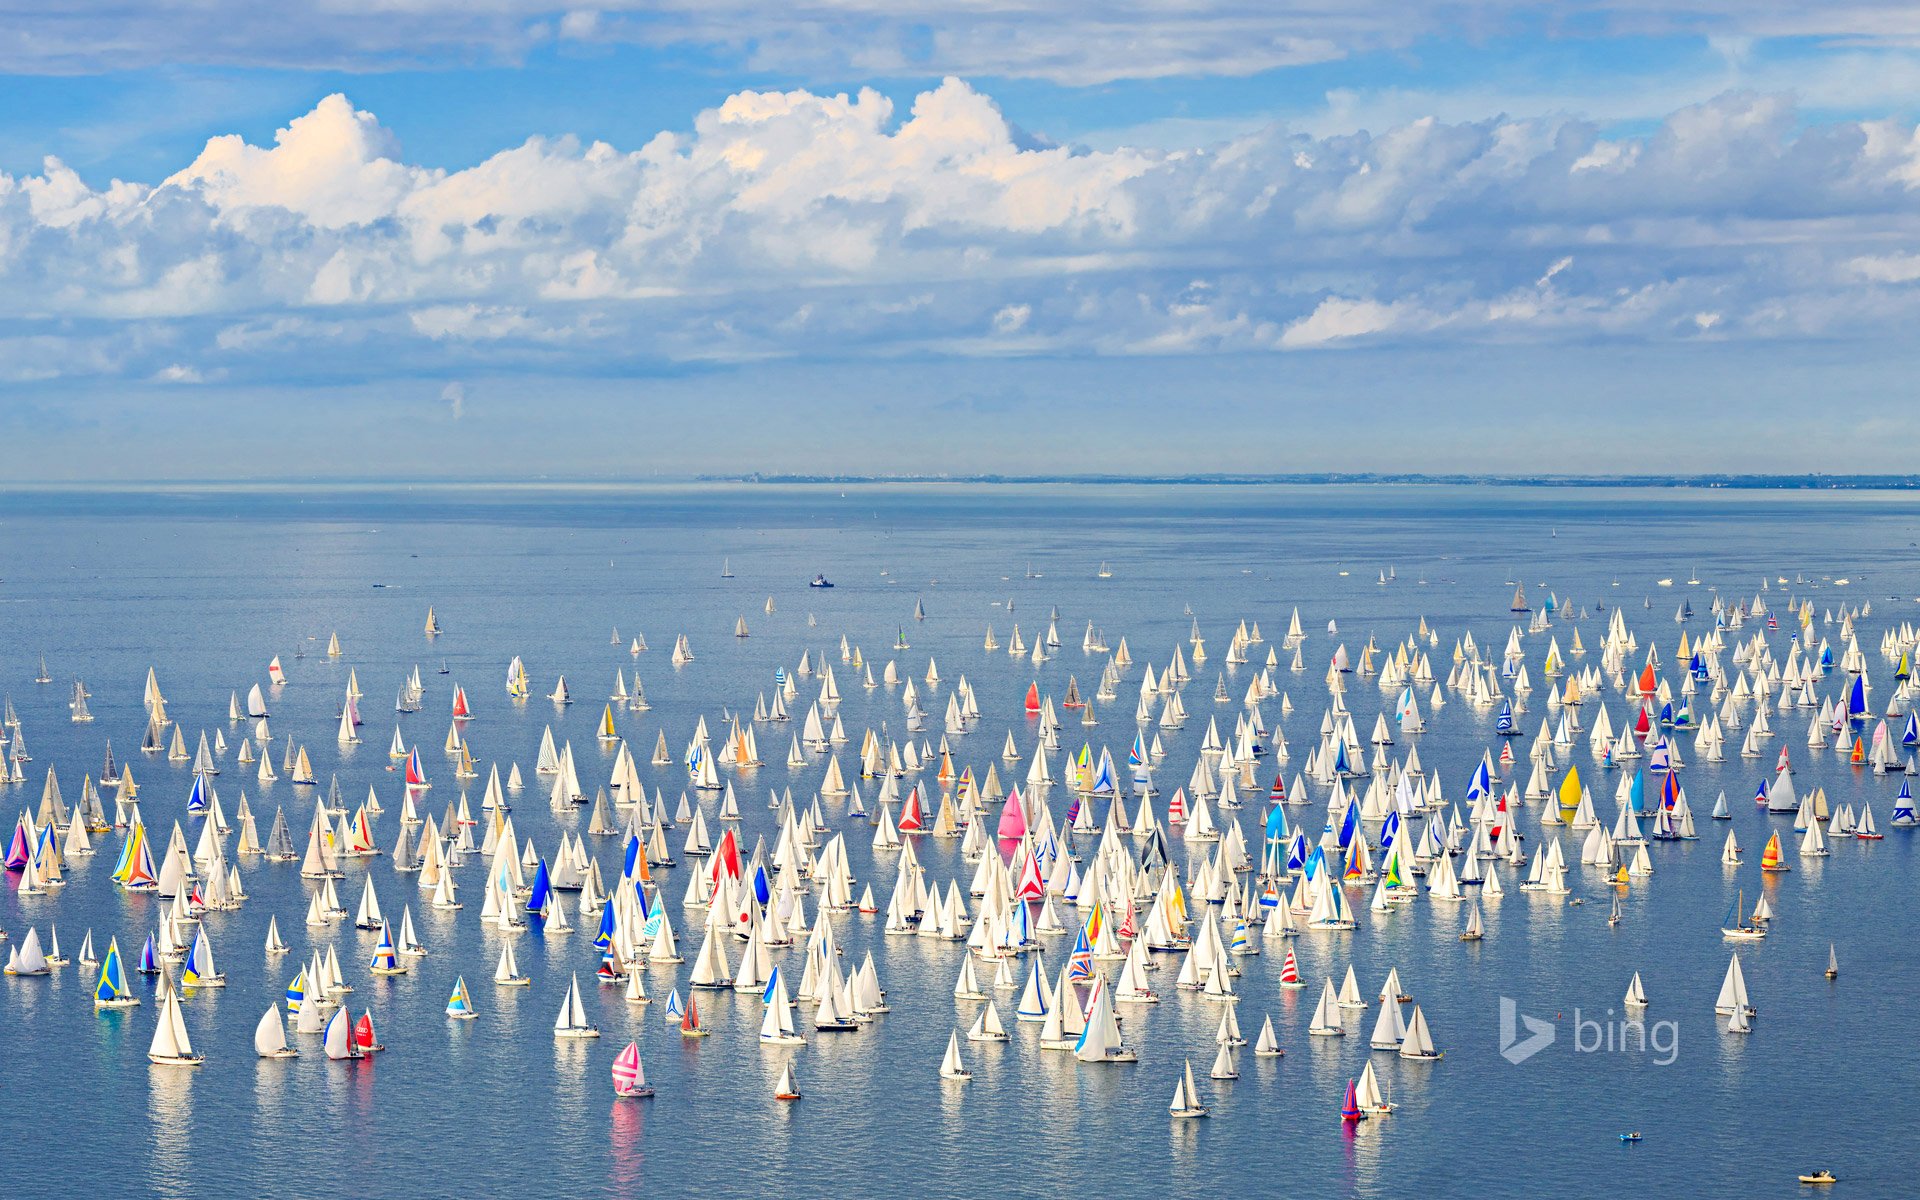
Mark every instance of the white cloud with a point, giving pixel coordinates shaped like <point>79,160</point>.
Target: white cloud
<point>454,395</point>
<point>800,225</point>
<point>1337,319</point>
<point>1887,268</point>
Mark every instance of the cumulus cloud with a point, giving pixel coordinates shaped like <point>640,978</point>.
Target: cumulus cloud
<point>454,396</point>
<point>791,224</point>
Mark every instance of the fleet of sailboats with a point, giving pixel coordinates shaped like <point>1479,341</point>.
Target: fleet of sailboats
<point>1072,883</point>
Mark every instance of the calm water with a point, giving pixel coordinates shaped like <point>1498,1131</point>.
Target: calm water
<point>207,587</point>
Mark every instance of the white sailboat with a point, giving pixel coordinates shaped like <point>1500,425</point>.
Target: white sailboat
<point>270,1035</point>
<point>1186,1098</point>
<point>952,1068</point>
<point>572,1019</point>
<point>1326,1015</point>
<point>171,1047</point>
<point>1419,1040</point>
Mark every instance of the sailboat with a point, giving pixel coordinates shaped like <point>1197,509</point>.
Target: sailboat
<point>111,989</point>
<point>338,1041</point>
<point>1833,962</point>
<point>1267,1045</point>
<point>1739,927</point>
<point>572,1021</point>
<point>1770,859</point>
<point>1350,1110</point>
<point>28,958</point>
<point>786,1087</point>
<point>690,1026</point>
<point>1100,1040</point>
<point>951,1067</point>
<point>460,1003</point>
<point>776,1026</point>
<point>1473,932</point>
<point>987,1026</point>
<point>1418,1044</point>
<point>1636,996</point>
<point>1186,1098</point>
<point>629,1078</point>
<point>171,1047</point>
<point>270,1035</point>
<point>199,970</point>
<point>1367,1096</point>
<point>507,972</point>
<point>1326,1016</point>
<point>1733,992</point>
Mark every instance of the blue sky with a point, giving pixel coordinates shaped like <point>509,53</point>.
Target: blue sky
<point>475,240</point>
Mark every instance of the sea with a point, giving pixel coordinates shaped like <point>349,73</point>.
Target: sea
<point>206,585</point>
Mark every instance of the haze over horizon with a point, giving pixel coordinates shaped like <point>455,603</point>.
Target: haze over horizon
<point>850,238</point>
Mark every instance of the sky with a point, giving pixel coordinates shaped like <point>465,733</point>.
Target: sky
<point>495,239</point>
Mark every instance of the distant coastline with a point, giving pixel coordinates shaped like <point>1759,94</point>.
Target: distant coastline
<point>1730,482</point>
<point>585,483</point>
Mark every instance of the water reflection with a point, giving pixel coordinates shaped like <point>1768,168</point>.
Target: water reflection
<point>170,1120</point>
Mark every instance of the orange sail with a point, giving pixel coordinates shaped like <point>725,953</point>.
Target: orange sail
<point>1770,857</point>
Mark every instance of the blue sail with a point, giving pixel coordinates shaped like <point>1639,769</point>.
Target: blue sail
<point>542,887</point>
<point>1277,824</point>
<point>1349,825</point>
<point>1389,830</point>
<point>1297,851</point>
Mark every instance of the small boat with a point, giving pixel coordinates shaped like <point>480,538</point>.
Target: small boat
<point>819,581</point>
<point>690,1026</point>
<point>1630,1137</point>
<point>460,1004</point>
<point>629,1078</point>
<point>1833,962</point>
<point>1819,1177</point>
<point>1740,927</point>
<point>1186,1099</point>
<point>951,1067</point>
<point>111,990</point>
<point>787,1087</point>
<point>270,1036</point>
<point>1351,1111</point>
<point>1770,858</point>
<point>171,1047</point>
<point>572,1021</point>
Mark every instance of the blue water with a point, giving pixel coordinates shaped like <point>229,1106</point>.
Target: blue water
<point>207,586</point>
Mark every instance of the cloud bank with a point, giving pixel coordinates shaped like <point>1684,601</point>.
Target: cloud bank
<point>796,226</point>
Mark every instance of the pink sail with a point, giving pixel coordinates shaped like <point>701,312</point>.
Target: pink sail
<point>626,1068</point>
<point>1013,818</point>
<point>627,1077</point>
